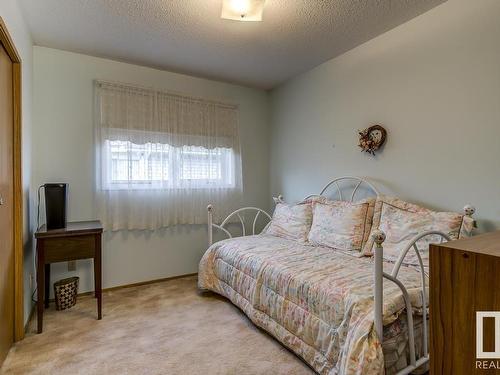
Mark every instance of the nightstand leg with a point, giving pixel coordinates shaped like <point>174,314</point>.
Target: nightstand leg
<point>98,275</point>
<point>40,284</point>
<point>47,285</point>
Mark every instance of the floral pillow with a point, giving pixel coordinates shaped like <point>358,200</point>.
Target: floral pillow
<point>291,221</point>
<point>401,221</point>
<point>341,225</point>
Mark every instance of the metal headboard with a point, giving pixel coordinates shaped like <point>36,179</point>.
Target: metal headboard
<point>353,188</point>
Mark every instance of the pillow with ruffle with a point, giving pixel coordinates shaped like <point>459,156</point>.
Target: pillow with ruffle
<point>341,225</point>
<point>401,221</point>
<point>291,221</point>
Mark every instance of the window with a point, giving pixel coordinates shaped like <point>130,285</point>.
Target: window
<point>160,166</point>
<point>161,157</point>
<point>132,163</point>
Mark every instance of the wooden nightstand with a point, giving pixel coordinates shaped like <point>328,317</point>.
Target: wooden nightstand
<point>79,240</point>
<point>464,279</point>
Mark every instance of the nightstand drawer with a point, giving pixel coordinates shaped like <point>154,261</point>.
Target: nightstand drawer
<point>63,249</point>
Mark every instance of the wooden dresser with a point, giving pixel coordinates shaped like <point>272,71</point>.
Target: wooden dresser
<point>464,279</point>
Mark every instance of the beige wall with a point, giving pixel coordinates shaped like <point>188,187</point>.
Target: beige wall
<point>13,18</point>
<point>63,151</point>
<point>433,82</point>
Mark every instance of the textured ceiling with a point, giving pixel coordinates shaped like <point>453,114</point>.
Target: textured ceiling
<point>188,36</point>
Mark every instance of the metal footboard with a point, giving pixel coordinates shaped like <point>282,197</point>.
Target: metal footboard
<point>378,285</point>
<point>235,214</point>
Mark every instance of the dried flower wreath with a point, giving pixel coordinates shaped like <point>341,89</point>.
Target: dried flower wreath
<point>372,138</point>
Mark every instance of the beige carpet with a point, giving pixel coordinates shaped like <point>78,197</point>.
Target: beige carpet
<point>163,328</point>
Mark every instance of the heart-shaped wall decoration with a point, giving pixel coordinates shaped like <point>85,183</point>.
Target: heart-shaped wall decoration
<point>372,138</point>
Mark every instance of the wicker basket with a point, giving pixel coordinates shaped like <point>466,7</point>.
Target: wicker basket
<point>65,292</point>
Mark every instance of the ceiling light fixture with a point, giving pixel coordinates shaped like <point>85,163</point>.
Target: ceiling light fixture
<point>242,10</point>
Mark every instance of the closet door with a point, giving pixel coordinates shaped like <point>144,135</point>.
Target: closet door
<point>6,204</point>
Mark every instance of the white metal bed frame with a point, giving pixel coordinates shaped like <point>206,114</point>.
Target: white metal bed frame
<point>378,273</point>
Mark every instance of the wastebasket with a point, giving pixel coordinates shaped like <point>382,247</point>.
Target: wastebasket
<point>65,292</point>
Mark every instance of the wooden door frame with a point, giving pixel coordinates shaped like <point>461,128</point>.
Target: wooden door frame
<point>11,50</point>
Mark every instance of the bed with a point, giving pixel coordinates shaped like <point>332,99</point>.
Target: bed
<point>330,307</point>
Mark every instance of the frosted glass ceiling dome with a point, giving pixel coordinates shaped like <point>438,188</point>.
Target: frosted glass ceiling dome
<point>243,10</point>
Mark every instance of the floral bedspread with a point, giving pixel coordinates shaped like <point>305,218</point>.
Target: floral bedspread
<point>315,300</point>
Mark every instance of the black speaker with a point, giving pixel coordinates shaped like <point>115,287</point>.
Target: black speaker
<point>56,201</point>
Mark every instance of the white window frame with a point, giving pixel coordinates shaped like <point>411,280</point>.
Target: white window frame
<point>175,165</point>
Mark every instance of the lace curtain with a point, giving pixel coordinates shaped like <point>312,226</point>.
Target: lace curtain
<point>161,157</point>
